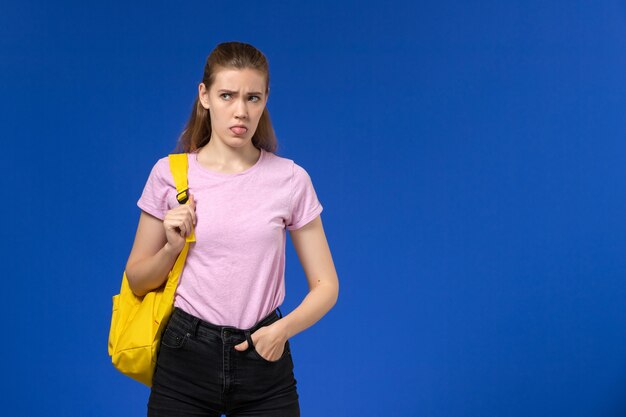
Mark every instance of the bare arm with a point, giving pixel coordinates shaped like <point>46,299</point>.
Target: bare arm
<point>157,246</point>
<point>314,254</point>
<point>151,257</point>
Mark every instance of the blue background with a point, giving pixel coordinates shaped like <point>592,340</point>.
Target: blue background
<point>469,157</point>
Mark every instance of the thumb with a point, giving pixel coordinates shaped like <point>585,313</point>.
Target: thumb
<point>242,346</point>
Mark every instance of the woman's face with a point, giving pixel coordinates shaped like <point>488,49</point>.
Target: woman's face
<point>237,97</point>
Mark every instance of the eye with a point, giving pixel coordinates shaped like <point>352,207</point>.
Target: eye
<point>257,98</point>
<point>224,94</point>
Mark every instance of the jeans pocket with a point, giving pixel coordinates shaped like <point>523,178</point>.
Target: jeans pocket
<point>286,352</point>
<point>174,338</point>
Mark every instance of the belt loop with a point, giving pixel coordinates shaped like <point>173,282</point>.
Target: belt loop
<point>194,326</point>
<point>280,313</point>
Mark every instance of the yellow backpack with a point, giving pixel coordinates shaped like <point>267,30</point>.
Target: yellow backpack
<point>138,322</point>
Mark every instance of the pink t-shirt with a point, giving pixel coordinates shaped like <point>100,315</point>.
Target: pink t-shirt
<point>234,274</point>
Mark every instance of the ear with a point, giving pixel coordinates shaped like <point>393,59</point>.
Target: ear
<point>203,96</point>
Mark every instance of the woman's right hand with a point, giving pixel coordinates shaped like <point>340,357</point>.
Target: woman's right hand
<point>178,224</point>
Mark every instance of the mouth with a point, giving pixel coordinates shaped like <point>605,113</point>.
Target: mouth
<point>238,130</point>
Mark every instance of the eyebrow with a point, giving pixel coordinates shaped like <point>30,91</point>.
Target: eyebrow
<point>230,91</point>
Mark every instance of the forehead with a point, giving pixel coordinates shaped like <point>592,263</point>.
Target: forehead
<point>236,79</point>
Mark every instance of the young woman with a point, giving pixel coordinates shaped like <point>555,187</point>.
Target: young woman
<point>225,349</point>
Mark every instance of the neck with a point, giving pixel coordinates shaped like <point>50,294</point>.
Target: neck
<point>224,158</point>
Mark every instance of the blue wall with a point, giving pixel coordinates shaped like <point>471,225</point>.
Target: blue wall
<point>469,156</point>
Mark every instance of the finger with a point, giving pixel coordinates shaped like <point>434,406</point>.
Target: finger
<point>192,215</point>
<point>180,223</point>
<point>188,226</point>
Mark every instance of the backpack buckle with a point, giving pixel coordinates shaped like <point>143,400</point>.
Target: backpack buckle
<point>183,199</point>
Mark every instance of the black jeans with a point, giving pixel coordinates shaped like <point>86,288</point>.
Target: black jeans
<point>199,372</point>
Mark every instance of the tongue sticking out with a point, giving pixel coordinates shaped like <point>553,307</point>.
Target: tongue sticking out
<point>239,130</point>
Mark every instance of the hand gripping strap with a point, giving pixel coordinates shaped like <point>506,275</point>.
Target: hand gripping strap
<point>179,165</point>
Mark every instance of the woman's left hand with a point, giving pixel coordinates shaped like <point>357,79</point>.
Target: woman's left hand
<point>269,342</point>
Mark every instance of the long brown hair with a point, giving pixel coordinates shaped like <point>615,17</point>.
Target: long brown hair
<point>236,55</point>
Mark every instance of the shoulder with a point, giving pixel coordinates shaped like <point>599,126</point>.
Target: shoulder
<point>161,171</point>
<point>287,167</point>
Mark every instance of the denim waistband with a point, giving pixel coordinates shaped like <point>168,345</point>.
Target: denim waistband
<point>195,325</point>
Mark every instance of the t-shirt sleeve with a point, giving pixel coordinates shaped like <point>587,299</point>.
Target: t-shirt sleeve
<point>304,205</point>
<point>159,193</point>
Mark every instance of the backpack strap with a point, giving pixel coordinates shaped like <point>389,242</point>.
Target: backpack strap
<point>179,165</point>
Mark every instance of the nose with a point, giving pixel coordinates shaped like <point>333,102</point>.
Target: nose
<point>241,110</point>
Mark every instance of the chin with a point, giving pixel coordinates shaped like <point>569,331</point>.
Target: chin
<point>239,142</point>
